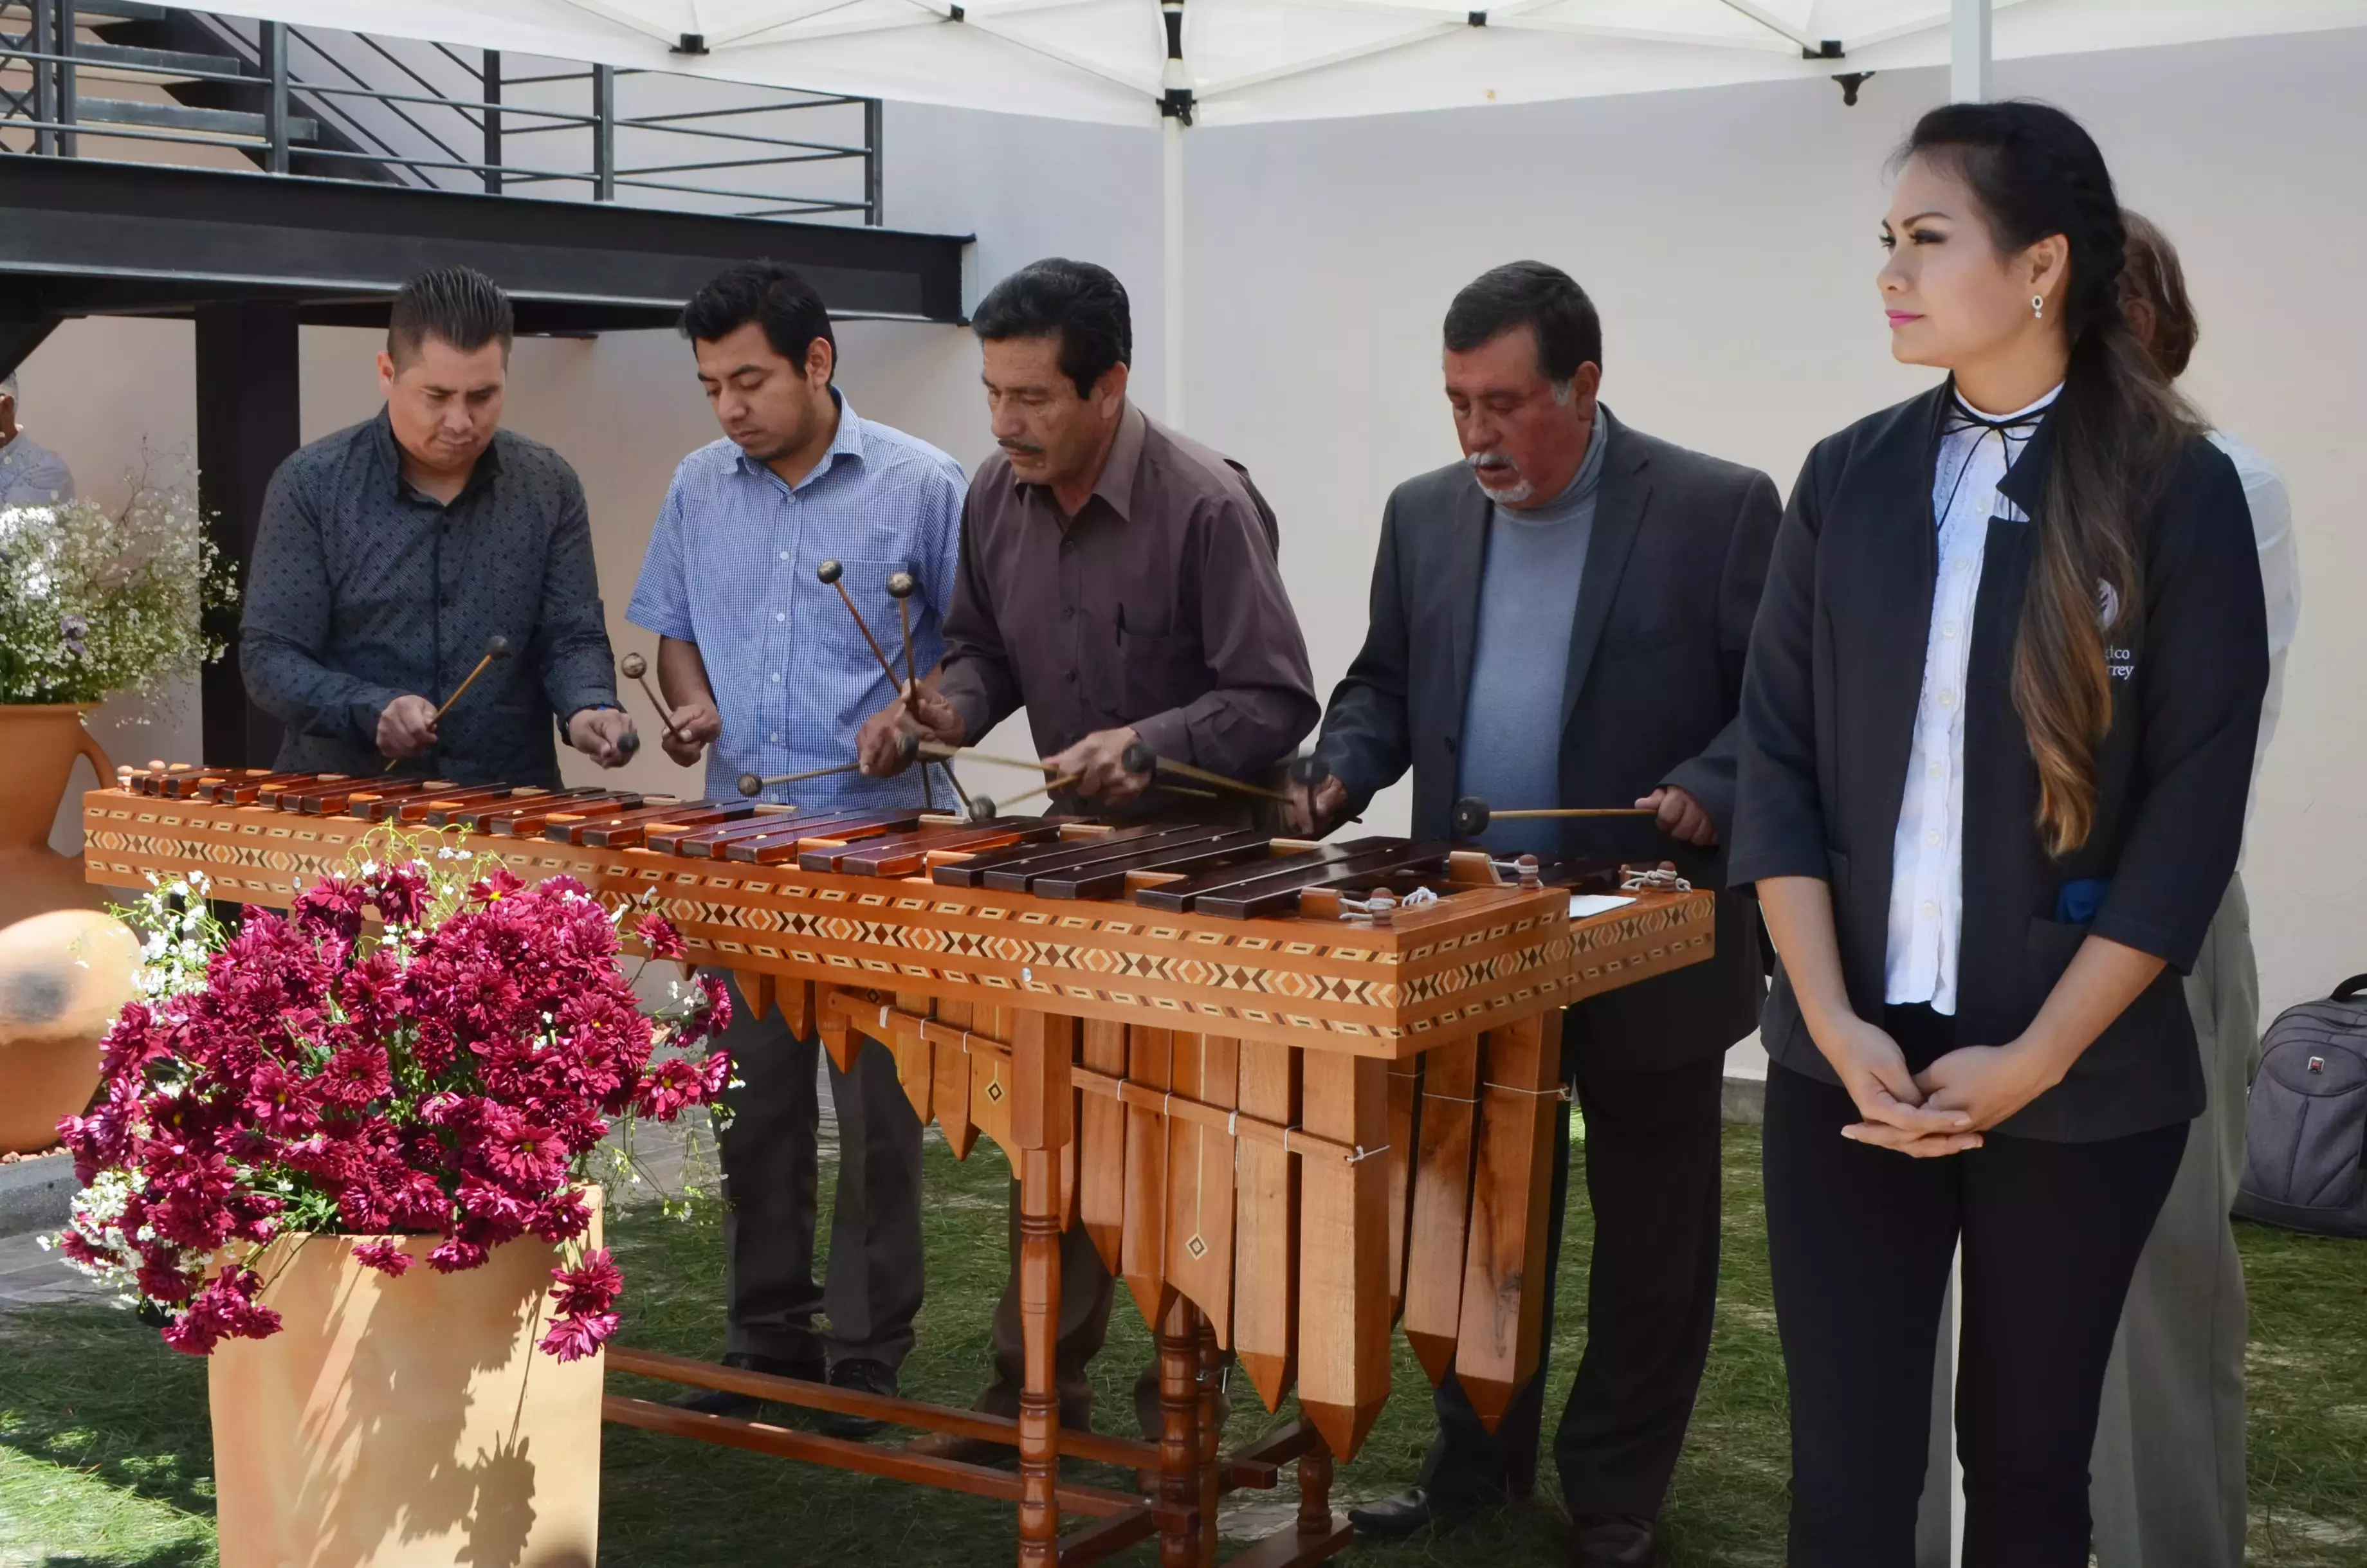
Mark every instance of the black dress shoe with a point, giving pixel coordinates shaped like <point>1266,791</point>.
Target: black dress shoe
<point>743,1406</point>
<point>1613,1540</point>
<point>1408,1512</point>
<point>864,1377</point>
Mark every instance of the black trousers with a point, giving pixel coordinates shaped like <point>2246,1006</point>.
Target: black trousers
<point>1861,1239</point>
<point>770,1155</point>
<point>1653,1177</point>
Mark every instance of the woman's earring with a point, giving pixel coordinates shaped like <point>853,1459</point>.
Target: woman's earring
<point>2038,306</point>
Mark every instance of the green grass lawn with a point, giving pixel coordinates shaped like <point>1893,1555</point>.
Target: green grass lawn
<point>105,1457</point>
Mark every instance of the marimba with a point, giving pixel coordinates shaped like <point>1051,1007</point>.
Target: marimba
<point>1293,1091</point>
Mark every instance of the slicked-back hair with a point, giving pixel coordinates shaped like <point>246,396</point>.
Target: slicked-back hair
<point>775,296</point>
<point>1082,305</point>
<point>456,305</point>
<point>1537,296</point>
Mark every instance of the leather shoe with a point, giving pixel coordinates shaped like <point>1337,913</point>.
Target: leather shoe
<point>744,1406</point>
<point>1615,1541</point>
<point>863,1376</point>
<point>1408,1512</point>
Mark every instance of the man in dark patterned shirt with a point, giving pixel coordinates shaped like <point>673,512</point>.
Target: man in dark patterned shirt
<point>392,553</point>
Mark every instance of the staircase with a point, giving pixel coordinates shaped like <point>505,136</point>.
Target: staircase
<point>128,80</point>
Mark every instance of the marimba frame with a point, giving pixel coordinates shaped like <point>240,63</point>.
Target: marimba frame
<point>1105,1046</point>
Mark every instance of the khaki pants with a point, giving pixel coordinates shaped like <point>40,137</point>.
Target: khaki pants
<point>2168,1474</point>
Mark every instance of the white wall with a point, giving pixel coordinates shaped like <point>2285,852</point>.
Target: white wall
<point>1727,236</point>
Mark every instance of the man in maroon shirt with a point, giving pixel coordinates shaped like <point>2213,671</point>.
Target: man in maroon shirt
<point>1119,581</point>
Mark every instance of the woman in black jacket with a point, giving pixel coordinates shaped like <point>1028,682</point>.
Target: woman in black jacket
<point>1998,729</point>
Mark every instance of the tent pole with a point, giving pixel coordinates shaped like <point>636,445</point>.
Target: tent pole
<point>1969,52</point>
<point>1176,106</point>
<point>1171,182</point>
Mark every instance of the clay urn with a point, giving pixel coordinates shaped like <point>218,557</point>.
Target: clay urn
<point>63,976</point>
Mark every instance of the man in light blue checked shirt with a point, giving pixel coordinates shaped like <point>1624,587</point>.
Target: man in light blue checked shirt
<point>764,672</point>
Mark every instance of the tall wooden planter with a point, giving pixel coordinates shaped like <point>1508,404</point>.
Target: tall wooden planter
<point>406,1423</point>
<point>39,743</point>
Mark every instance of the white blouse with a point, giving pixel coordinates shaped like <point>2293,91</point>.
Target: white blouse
<point>1926,865</point>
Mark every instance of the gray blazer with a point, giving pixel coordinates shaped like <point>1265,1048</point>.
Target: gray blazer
<point>1673,571</point>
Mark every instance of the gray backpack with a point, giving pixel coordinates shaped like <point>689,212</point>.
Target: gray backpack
<point>2305,1126</point>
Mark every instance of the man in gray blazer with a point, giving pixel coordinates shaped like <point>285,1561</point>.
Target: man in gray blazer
<point>1560,620</point>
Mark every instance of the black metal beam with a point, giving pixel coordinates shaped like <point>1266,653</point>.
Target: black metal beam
<point>20,337</point>
<point>88,238</point>
<point>247,423</point>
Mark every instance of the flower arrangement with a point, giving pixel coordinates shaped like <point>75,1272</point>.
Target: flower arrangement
<point>451,1073</point>
<point>93,602</point>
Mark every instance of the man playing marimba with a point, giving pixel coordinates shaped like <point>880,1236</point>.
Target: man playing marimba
<point>1120,583</point>
<point>766,675</point>
<point>1560,620</point>
<point>393,554</point>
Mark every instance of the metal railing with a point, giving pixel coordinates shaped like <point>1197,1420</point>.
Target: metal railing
<point>355,105</point>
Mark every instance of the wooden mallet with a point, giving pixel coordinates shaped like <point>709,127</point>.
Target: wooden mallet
<point>1139,758</point>
<point>496,647</point>
<point>755,784</point>
<point>1472,814</point>
<point>980,809</point>
<point>635,668</point>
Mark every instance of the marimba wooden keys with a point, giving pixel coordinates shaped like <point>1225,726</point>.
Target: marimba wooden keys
<point>629,830</point>
<point>1200,1180</point>
<point>1343,1287</point>
<point>1151,1061</point>
<point>1078,856</point>
<point>1101,1144</point>
<point>907,853</point>
<point>1177,897</point>
<point>1277,892</point>
<point>1504,1259</point>
<point>974,871</point>
<point>1107,879</point>
<point>512,819</point>
<point>1433,1313</point>
<point>411,810</point>
<point>784,848</point>
<point>1265,1225</point>
<point>567,825</point>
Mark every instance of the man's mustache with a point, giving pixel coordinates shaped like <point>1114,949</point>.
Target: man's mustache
<point>1021,446</point>
<point>1488,460</point>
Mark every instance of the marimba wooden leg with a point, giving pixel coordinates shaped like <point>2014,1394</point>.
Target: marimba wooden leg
<point>1179,1429</point>
<point>1043,1047</point>
<point>1315,1491</point>
<point>1212,1435</point>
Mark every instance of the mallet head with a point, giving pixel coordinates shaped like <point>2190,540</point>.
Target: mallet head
<point>628,744</point>
<point>497,647</point>
<point>979,809</point>
<point>750,785</point>
<point>1309,770</point>
<point>1470,817</point>
<point>1138,758</point>
<point>830,571</point>
<point>634,666</point>
<point>907,746</point>
<point>901,585</point>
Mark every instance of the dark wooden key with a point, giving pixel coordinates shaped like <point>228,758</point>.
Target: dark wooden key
<point>163,781</point>
<point>1175,898</point>
<point>527,820</point>
<point>785,849</point>
<point>567,825</point>
<point>972,872</point>
<point>292,796</point>
<point>198,783</point>
<point>471,814</point>
<point>410,810</point>
<point>1243,904</point>
<point>627,830</point>
<point>330,803</point>
<point>1107,879</point>
<point>707,844</point>
<point>240,786</point>
<point>903,854</point>
<point>1085,856</point>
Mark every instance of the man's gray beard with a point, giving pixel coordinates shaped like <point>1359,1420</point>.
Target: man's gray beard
<point>1511,496</point>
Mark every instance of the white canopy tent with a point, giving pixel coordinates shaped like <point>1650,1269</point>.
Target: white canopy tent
<point>1240,62</point>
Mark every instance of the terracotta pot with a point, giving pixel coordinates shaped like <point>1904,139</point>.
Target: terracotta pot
<point>63,976</point>
<point>404,1423</point>
<point>39,741</point>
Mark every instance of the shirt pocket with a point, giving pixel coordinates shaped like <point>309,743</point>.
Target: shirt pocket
<point>1158,673</point>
